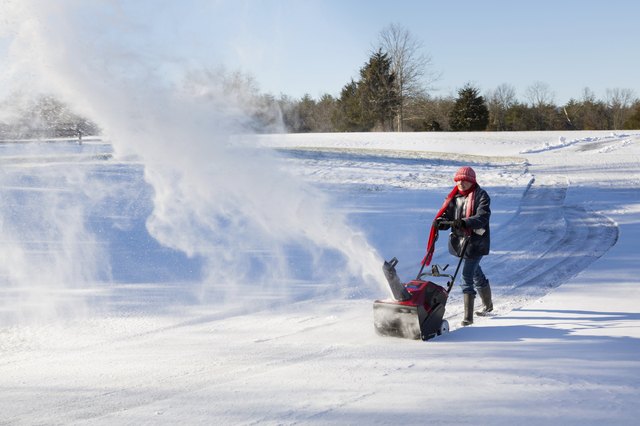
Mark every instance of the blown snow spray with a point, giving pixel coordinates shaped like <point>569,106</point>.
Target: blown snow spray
<point>217,195</point>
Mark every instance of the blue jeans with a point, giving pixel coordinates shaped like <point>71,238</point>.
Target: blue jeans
<point>472,275</point>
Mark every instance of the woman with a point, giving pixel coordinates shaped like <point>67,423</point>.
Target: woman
<point>468,207</point>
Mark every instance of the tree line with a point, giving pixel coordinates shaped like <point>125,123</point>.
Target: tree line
<point>372,104</point>
<point>392,93</point>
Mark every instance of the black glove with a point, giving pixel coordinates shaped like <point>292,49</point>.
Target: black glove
<point>441,226</point>
<point>459,224</point>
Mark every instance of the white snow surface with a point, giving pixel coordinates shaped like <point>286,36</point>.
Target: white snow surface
<point>102,324</point>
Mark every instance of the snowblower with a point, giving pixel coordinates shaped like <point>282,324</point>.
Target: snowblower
<point>417,308</point>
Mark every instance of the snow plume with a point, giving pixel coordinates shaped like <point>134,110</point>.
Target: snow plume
<point>49,258</point>
<point>218,196</point>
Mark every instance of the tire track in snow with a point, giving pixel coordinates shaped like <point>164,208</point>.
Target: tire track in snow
<point>547,242</point>
<point>588,236</point>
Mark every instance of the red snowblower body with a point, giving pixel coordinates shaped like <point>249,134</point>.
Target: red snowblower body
<point>417,308</point>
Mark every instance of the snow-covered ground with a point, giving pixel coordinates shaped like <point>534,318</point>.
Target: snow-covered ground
<point>102,324</point>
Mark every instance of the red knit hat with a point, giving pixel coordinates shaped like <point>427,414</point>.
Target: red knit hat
<point>465,173</point>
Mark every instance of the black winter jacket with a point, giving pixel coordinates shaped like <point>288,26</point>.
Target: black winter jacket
<point>478,222</point>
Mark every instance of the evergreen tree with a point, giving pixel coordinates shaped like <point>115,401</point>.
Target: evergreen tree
<point>469,112</point>
<point>633,122</point>
<point>325,109</point>
<point>350,115</point>
<point>519,117</point>
<point>306,110</point>
<point>378,91</point>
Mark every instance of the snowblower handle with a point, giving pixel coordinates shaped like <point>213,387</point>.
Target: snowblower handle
<point>436,223</point>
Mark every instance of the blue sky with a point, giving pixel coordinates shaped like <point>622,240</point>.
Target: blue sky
<point>317,46</point>
<point>295,47</point>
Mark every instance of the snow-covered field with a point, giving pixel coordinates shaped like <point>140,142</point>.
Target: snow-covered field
<point>100,323</point>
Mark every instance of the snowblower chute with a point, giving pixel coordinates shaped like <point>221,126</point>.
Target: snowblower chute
<point>416,310</point>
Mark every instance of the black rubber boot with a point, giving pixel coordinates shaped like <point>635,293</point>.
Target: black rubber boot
<point>485,295</point>
<point>468,309</point>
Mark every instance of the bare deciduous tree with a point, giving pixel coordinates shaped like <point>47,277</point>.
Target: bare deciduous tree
<point>499,101</point>
<point>539,94</point>
<point>619,101</point>
<point>410,65</point>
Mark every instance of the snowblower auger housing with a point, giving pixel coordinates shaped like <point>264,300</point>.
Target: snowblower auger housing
<point>417,314</point>
<point>416,310</point>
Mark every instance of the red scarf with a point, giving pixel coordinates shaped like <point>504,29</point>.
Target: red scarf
<point>433,234</point>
